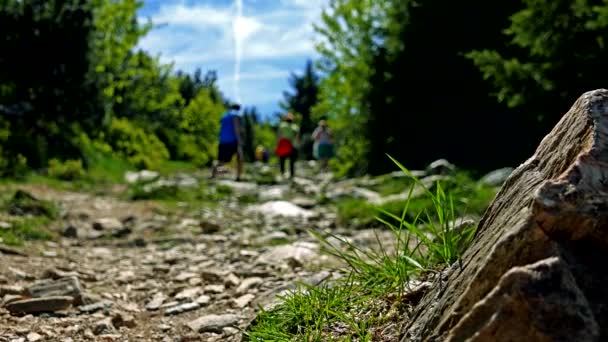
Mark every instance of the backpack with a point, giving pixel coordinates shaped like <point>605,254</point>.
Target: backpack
<point>284,148</point>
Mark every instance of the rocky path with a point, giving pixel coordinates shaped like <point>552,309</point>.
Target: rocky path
<point>194,269</point>
<point>137,271</point>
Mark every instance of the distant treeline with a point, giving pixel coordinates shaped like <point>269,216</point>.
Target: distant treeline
<point>477,82</point>
<point>73,86</point>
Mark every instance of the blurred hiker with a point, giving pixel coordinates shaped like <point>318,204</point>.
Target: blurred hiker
<point>323,147</point>
<point>230,141</point>
<point>266,156</point>
<point>261,154</point>
<point>289,136</point>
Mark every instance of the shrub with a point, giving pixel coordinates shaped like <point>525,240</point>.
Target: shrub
<point>68,170</point>
<point>142,149</point>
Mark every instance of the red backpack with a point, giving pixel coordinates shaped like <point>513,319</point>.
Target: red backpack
<point>284,148</point>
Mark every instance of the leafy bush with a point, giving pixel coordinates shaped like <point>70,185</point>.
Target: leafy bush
<point>68,170</point>
<point>142,149</point>
<point>200,124</point>
<point>11,165</point>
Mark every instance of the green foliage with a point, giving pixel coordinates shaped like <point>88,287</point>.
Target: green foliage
<point>557,51</point>
<point>68,170</point>
<point>423,240</point>
<point>11,165</point>
<point>347,51</point>
<point>24,204</point>
<point>94,81</point>
<point>306,312</point>
<point>200,125</point>
<point>44,87</point>
<point>26,229</point>
<point>116,33</point>
<point>142,149</point>
<point>301,101</point>
<point>265,135</point>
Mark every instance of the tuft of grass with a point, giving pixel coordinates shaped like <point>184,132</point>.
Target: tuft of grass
<point>247,198</point>
<point>306,311</point>
<point>390,186</point>
<point>27,229</point>
<point>106,168</point>
<point>425,240</point>
<point>175,166</point>
<point>23,203</point>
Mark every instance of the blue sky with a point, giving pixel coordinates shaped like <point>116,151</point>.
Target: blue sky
<point>276,38</point>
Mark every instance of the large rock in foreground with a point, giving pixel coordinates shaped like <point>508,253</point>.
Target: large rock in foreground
<point>536,270</point>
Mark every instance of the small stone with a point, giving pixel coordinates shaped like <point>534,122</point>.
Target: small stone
<point>248,254</point>
<point>122,232</point>
<point>248,284</point>
<point>185,276</point>
<point>68,286</point>
<point>121,319</point>
<point>203,300</point>
<point>11,289</point>
<point>156,302</point>
<point>169,304</point>
<point>164,327</point>
<point>49,254</point>
<point>215,288</point>
<point>182,308</point>
<point>195,281</point>
<point>188,293</point>
<point>125,277</point>
<point>209,227</point>
<point>103,326</point>
<point>9,298</point>
<point>104,304</point>
<point>19,274</point>
<point>232,280</point>
<point>107,223</point>
<point>213,323</point>
<point>230,331</point>
<point>161,269</point>
<point>33,337</point>
<point>47,304</point>
<point>5,225</point>
<point>243,300</point>
<point>212,276</point>
<point>70,232</point>
<point>53,273</point>
<point>187,223</point>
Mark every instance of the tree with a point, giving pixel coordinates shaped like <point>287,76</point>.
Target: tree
<point>249,120</point>
<point>44,64</point>
<point>557,51</point>
<point>348,29</point>
<point>300,101</point>
<point>398,83</point>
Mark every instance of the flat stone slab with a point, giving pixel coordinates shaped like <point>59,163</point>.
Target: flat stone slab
<point>33,305</point>
<point>68,286</point>
<point>213,323</point>
<point>182,308</point>
<point>282,208</point>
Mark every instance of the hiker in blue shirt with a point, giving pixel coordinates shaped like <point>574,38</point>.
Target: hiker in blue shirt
<point>230,141</point>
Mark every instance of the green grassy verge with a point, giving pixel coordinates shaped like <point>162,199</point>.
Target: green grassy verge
<point>27,229</point>
<point>370,302</point>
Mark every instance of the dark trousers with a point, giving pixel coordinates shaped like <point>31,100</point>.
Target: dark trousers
<point>292,162</point>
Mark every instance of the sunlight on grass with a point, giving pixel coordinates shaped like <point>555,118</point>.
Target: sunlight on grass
<point>425,239</point>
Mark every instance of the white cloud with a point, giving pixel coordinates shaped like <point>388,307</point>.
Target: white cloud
<point>202,35</point>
